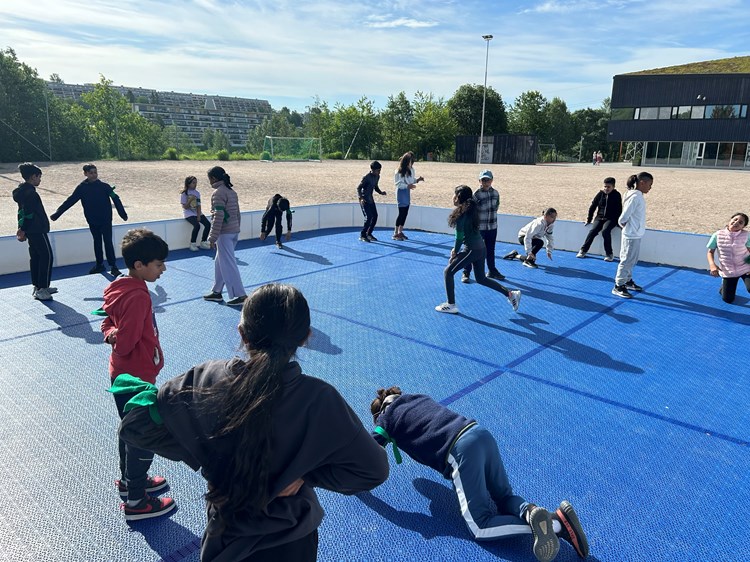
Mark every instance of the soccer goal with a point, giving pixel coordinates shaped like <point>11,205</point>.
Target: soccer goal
<point>292,149</point>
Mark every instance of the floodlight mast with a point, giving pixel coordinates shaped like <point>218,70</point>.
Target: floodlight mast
<point>487,38</point>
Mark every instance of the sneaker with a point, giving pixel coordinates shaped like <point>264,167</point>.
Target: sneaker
<point>194,247</point>
<point>571,529</point>
<point>546,543</point>
<point>621,291</point>
<point>371,238</point>
<point>531,264</point>
<point>215,297</point>
<point>447,307</point>
<point>514,298</point>
<point>495,274</point>
<point>147,508</point>
<point>205,245</point>
<point>364,239</point>
<point>632,286</point>
<point>609,257</point>
<point>398,237</point>
<point>581,254</point>
<point>237,301</point>
<point>50,290</point>
<point>42,295</point>
<point>153,484</point>
<point>279,245</point>
<point>98,268</point>
<point>465,278</point>
<point>404,236</point>
<point>114,272</point>
<point>510,256</point>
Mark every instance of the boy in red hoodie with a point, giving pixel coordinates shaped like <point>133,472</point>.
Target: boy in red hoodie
<point>130,328</point>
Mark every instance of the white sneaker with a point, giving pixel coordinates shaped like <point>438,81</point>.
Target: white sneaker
<point>514,298</point>
<point>581,254</point>
<point>609,257</point>
<point>447,307</point>
<point>193,247</point>
<point>205,245</point>
<point>42,295</point>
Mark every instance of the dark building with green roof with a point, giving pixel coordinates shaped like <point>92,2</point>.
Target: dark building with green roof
<point>693,115</point>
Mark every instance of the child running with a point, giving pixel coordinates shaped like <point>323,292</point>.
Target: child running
<point>277,207</point>
<point>534,236</point>
<point>466,222</point>
<point>733,245</point>
<point>608,205</point>
<point>264,436</point>
<point>190,199</point>
<point>365,188</point>
<point>33,227</point>
<point>633,224</point>
<point>462,451</point>
<point>130,329</point>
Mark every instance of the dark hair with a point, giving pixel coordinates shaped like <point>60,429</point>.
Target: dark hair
<point>466,204</point>
<point>140,244</point>
<point>549,211</point>
<point>376,406</point>
<point>633,180</point>
<point>89,167</point>
<point>28,169</point>
<point>218,173</point>
<point>405,163</point>
<point>188,181</point>
<point>274,322</point>
<point>375,165</point>
<point>743,215</point>
<point>610,181</point>
<point>283,204</point>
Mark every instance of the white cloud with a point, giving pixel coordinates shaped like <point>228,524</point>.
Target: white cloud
<point>402,22</point>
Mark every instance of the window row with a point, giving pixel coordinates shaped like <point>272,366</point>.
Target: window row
<point>703,154</point>
<point>732,111</point>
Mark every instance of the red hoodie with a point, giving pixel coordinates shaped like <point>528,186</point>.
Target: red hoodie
<point>136,351</point>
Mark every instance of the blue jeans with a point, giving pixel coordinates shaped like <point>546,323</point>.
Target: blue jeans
<point>479,479</point>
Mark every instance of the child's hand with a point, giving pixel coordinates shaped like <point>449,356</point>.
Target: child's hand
<point>419,179</point>
<point>586,223</point>
<point>263,235</point>
<point>549,254</point>
<point>111,338</point>
<point>292,489</point>
<point>20,235</point>
<point>714,271</point>
<point>384,193</point>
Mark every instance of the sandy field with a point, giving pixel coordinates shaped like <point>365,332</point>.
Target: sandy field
<point>688,200</point>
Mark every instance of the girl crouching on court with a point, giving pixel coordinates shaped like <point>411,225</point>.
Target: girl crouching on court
<point>733,245</point>
<point>465,220</point>
<point>264,436</point>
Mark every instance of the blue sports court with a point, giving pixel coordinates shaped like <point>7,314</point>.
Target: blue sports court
<point>634,410</point>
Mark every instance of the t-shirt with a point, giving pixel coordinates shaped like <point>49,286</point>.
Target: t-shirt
<point>191,198</point>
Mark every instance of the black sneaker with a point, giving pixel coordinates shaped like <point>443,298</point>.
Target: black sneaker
<point>371,238</point>
<point>546,543</point>
<point>237,301</point>
<point>465,278</point>
<point>621,291</point>
<point>153,484</point>
<point>510,256</point>
<point>214,297</point>
<point>571,529</point>
<point>632,286</point>
<point>114,272</point>
<point>147,508</point>
<point>531,264</point>
<point>495,274</point>
<point>364,239</point>
<point>279,245</point>
<point>98,268</point>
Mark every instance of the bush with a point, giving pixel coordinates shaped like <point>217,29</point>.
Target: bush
<point>265,155</point>
<point>223,154</point>
<point>338,155</point>
<point>170,154</point>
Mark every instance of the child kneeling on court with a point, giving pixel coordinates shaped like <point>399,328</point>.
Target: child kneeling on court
<point>534,236</point>
<point>733,244</point>
<point>467,454</point>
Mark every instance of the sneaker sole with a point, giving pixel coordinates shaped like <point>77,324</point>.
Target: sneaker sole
<point>637,289</point>
<point>454,311</point>
<point>569,519</point>
<point>149,515</point>
<point>546,543</point>
<point>615,293</point>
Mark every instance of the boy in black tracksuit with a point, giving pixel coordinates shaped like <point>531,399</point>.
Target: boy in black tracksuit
<point>277,206</point>
<point>365,188</point>
<point>95,196</point>
<point>33,225</point>
<point>608,206</point>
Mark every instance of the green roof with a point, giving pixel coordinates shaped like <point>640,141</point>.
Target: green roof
<point>734,65</point>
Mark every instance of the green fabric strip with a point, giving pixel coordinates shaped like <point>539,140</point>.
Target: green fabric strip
<point>223,210</point>
<point>145,397</point>
<point>396,453</point>
<point>23,216</point>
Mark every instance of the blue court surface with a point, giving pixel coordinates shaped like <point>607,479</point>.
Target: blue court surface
<point>635,411</point>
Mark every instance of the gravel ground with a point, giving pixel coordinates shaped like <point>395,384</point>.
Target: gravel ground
<point>679,200</point>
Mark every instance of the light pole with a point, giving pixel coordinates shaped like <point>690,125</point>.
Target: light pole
<point>487,38</point>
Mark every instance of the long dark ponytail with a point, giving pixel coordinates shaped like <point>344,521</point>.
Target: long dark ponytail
<point>405,163</point>
<point>218,173</point>
<point>275,321</point>
<point>634,179</point>
<point>466,204</point>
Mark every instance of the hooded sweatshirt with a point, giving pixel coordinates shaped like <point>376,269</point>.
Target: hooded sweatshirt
<point>32,218</point>
<point>633,215</point>
<point>136,351</point>
<point>95,199</point>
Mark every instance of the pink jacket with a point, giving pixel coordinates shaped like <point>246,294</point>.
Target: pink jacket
<point>732,248</point>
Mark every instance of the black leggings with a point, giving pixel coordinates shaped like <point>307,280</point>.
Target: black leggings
<point>729,286</point>
<point>536,244</point>
<point>197,226</point>
<point>301,550</point>
<point>401,219</point>
<point>459,261</point>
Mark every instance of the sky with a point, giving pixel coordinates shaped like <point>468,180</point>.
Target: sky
<point>290,52</point>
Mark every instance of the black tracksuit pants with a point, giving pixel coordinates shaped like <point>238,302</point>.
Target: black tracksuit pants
<point>40,259</point>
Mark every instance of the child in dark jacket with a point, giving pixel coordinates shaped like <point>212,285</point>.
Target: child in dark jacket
<point>33,226</point>
<point>365,188</point>
<point>130,328</point>
<point>462,451</point>
<point>95,197</point>
<point>264,436</point>
<point>276,208</point>
<point>607,204</point>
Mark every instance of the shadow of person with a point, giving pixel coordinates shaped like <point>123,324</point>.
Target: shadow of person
<point>158,298</point>
<point>288,252</point>
<point>72,323</point>
<point>648,295</point>
<point>167,538</point>
<point>410,248</point>
<point>320,341</point>
<point>573,273</point>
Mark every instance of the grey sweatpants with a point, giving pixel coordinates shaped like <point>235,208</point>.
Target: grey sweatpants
<point>226,271</point>
<point>630,248</point>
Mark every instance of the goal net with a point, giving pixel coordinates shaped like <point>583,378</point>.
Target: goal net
<point>291,149</point>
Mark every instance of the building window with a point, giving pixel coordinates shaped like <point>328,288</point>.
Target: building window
<point>743,111</point>
<point>623,113</point>
<point>684,112</point>
<point>697,112</point>
<point>650,153</point>
<point>709,154</point>
<point>662,154</point>
<point>665,112</point>
<point>675,153</point>
<point>722,111</point>
<point>739,155</point>
<point>724,155</point>
<point>649,113</point>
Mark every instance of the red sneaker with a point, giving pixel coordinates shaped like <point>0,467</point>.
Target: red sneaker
<point>153,484</point>
<point>147,508</point>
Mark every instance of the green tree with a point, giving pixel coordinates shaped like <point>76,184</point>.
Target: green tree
<point>434,125</point>
<point>277,125</point>
<point>55,77</point>
<point>319,122</point>
<point>561,130</point>
<point>397,126</point>
<point>180,140</point>
<point>359,128</point>
<point>466,110</point>
<point>528,116</point>
<point>590,125</point>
